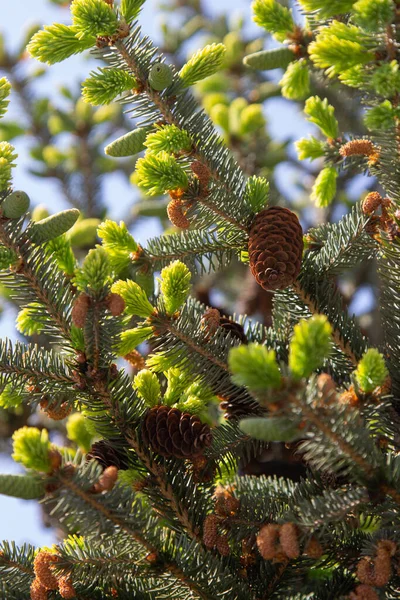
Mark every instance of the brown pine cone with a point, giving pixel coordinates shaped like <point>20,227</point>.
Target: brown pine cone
<point>275,248</point>
<point>107,455</point>
<point>235,329</point>
<point>169,432</point>
<point>80,310</point>
<point>236,407</point>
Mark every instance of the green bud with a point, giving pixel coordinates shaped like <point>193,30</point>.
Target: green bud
<point>57,42</point>
<point>373,15</point>
<point>323,115</point>
<point>10,398</point>
<point>256,193</point>
<point>274,429</point>
<point>7,257</point>
<point>7,158</point>
<point>160,76</point>
<point>381,117</point>
<point>5,88</point>
<point>255,367</point>
<point>324,188</point>
<point>26,487</point>
<point>219,114</point>
<point>277,58</point>
<point>31,448</point>
<point>175,285</point>
<point>130,9</point>
<point>104,85</point>
<point>386,79</point>
<point>309,148</point>
<point>327,9</point>
<point>274,17</point>
<point>79,431</point>
<point>148,387</point>
<point>310,345</point>
<point>95,273</point>
<point>39,212</point>
<point>170,138</point>
<point>61,249</point>
<point>252,119</point>
<point>234,47</point>
<point>159,173</point>
<point>236,108</point>
<point>136,302</point>
<point>53,226</point>
<point>15,205</point>
<point>132,338</point>
<point>83,233</point>
<point>296,81</point>
<point>28,322</point>
<point>211,100</point>
<point>202,64</point>
<point>93,18</point>
<point>371,371</point>
<point>129,144</point>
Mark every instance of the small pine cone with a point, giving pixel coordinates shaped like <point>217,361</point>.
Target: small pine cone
<point>387,546</point>
<point>365,570</point>
<point>235,329</point>
<point>364,592</point>
<point>371,203</point>
<point>170,432</point>
<point>57,413</point>
<point>236,407</point>
<point>275,248</point>
<point>202,172</point>
<point>80,310</point>
<point>107,480</point>
<point>210,531</point>
<point>226,505</point>
<point>358,148</point>
<point>38,592</point>
<point>65,588</point>
<point>223,545</point>
<point>107,455</point>
<point>115,304</point>
<point>313,548</point>
<point>289,539</point>
<point>382,567</point>
<point>210,320</point>
<point>176,215</point>
<point>137,361</point>
<point>42,568</point>
<point>267,541</point>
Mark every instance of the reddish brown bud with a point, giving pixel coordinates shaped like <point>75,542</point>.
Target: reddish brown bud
<point>223,545</point>
<point>289,539</point>
<point>66,588</point>
<point>267,541</point>
<point>107,480</point>
<point>210,531</point>
<point>176,214</point>
<point>116,304</point>
<point>349,397</point>
<point>371,203</point>
<point>210,320</point>
<point>313,548</point>
<point>137,361</point>
<point>358,148</point>
<point>55,459</point>
<point>42,568</point>
<point>80,310</point>
<point>202,172</point>
<point>57,413</point>
<point>38,592</point>
<point>364,592</point>
<point>327,387</point>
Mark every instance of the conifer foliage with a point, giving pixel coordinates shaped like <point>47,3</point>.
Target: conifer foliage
<point>154,494</point>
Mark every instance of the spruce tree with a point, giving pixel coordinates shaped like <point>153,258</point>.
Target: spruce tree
<point>154,492</point>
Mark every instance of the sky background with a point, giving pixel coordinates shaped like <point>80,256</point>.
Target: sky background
<point>21,520</point>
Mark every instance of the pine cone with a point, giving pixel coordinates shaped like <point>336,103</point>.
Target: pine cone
<point>235,406</point>
<point>108,455</point>
<point>169,432</point>
<point>275,248</point>
<point>235,329</point>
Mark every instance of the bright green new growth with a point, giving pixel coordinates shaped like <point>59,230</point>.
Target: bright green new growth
<point>10,398</point>
<point>310,346</point>
<point>255,367</point>
<point>57,42</point>
<point>15,205</point>
<point>371,371</point>
<point>148,387</point>
<point>7,257</point>
<point>104,85</point>
<point>327,8</point>
<point>93,18</point>
<point>136,302</point>
<point>26,487</point>
<point>309,148</point>
<point>60,248</point>
<point>129,144</point>
<point>339,47</point>
<point>386,79</point>
<point>79,431</point>
<point>160,77</point>
<point>256,193</point>
<point>130,9</point>
<point>95,272</point>
<point>7,157</point>
<point>274,17</point>
<point>5,88</point>
<point>131,338</point>
<point>159,173</point>
<point>373,15</point>
<point>322,114</point>
<point>202,64</point>
<point>251,119</point>
<point>265,60</point>
<point>31,448</point>
<point>53,226</point>
<point>175,285</point>
<point>169,138</point>
<point>381,117</point>
<point>27,321</point>
<point>118,243</point>
<point>324,188</point>
<point>83,233</point>
<point>274,429</point>
<point>296,81</point>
